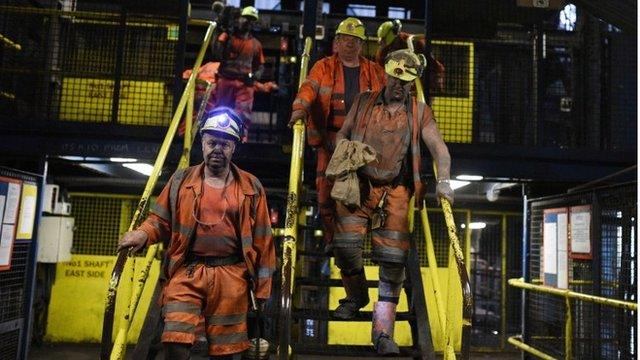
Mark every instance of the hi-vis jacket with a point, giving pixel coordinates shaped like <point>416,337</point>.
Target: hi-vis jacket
<point>172,218</point>
<point>322,96</point>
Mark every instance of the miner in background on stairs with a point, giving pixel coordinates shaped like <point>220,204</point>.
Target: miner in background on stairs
<point>393,123</point>
<point>324,99</point>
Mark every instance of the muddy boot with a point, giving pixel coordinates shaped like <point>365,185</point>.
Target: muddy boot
<point>357,296</point>
<point>384,318</point>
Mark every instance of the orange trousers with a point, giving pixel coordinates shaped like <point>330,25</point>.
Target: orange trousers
<point>326,205</point>
<point>390,242</point>
<point>219,295</point>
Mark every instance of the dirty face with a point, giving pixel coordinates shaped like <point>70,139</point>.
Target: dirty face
<point>348,46</point>
<point>397,90</point>
<point>244,23</point>
<point>217,151</point>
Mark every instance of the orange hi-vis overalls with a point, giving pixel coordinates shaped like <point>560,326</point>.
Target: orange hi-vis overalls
<point>212,282</point>
<point>322,97</point>
<point>241,57</point>
<point>394,137</point>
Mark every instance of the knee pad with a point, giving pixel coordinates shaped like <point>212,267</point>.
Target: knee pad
<point>348,260</point>
<point>391,273</point>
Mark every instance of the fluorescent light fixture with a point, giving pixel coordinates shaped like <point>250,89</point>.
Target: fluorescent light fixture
<point>72,158</point>
<point>477,225</point>
<point>457,184</point>
<point>122,160</point>
<point>474,225</point>
<point>142,168</point>
<point>470,177</point>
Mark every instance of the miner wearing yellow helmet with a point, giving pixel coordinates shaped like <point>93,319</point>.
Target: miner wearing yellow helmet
<point>392,38</point>
<point>324,99</point>
<point>393,123</point>
<point>241,64</point>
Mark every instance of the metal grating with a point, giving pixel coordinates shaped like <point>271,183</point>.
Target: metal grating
<point>514,270</point>
<point>13,282</point>
<point>100,221</point>
<point>9,345</point>
<point>486,281</point>
<point>599,332</point>
<point>101,66</point>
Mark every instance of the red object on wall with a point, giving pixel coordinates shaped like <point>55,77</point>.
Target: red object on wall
<point>274,215</point>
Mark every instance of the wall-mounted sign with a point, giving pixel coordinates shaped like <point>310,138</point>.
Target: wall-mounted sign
<point>555,248</point>
<point>9,205</point>
<point>580,232</point>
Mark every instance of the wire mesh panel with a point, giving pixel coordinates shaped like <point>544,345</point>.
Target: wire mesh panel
<point>513,301</point>
<point>439,235</point>
<point>100,222</point>
<point>618,274</point>
<point>88,66</point>
<point>598,331</point>
<point>12,283</point>
<point>486,280</point>
<point>9,345</point>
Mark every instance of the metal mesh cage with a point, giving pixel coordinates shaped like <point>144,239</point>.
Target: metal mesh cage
<point>13,282</point>
<point>100,221</point>
<point>9,345</point>
<point>88,66</point>
<point>598,331</point>
<point>486,280</point>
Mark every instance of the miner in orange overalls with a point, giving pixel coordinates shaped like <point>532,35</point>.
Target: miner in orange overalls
<point>393,123</point>
<point>241,65</point>
<point>324,99</point>
<point>221,248</point>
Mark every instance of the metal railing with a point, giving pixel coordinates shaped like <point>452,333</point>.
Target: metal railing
<point>467,297</point>
<point>186,103</point>
<point>568,295</point>
<point>289,244</point>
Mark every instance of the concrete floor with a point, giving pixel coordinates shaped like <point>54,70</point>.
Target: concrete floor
<point>92,352</point>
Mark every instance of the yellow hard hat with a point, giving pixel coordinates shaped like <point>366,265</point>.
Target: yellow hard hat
<point>250,11</point>
<point>388,30</point>
<point>351,26</point>
<point>403,65</point>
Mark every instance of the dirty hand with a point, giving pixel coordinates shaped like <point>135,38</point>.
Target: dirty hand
<point>136,239</point>
<point>443,190</point>
<point>297,114</point>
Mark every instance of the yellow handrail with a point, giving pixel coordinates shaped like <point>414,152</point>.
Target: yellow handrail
<point>119,346</point>
<point>10,44</point>
<point>291,220</point>
<point>568,330</point>
<point>467,297</point>
<point>627,305</point>
<point>517,342</point>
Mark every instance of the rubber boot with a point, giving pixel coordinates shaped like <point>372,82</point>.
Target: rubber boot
<point>357,296</point>
<point>384,319</point>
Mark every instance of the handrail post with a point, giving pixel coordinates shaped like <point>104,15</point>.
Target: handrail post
<point>568,332</point>
<point>291,220</point>
<point>467,297</point>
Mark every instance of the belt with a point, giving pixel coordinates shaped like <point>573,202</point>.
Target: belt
<point>212,261</point>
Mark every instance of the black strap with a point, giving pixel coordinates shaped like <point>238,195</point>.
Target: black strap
<point>213,261</point>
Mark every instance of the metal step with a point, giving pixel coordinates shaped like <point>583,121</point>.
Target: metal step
<point>306,281</point>
<point>365,255</point>
<point>328,282</point>
<point>318,314</point>
<point>346,350</point>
